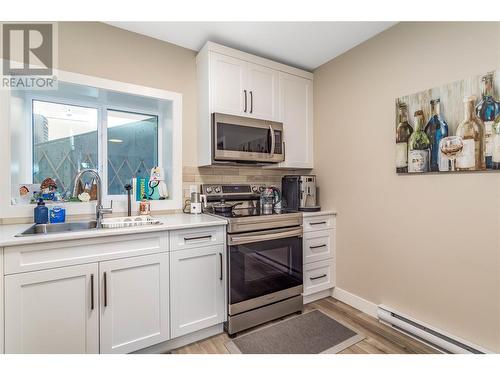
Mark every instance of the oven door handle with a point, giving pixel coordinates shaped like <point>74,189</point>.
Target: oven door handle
<point>240,239</point>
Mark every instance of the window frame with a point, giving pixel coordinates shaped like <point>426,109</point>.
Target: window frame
<point>8,210</point>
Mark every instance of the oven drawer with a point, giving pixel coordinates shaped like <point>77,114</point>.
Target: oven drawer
<point>318,223</point>
<point>318,245</point>
<point>198,237</point>
<point>318,276</point>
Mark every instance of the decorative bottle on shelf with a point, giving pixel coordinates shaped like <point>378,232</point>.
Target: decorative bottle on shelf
<point>436,129</point>
<point>419,146</point>
<point>496,143</point>
<point>403,132</point>
<point>471,130</point>
<point>487,110</point>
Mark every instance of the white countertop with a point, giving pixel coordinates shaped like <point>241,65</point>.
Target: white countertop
<point>169,222</point>
<point>319,213</point>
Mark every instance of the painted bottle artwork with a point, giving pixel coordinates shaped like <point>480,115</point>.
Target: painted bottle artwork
<point>496,143</point>
<point>436,129</point>
<point>403,133</point>
<point>419,146</point>
<point>471,130</point>
<point>487,110</point>
<point>454,127</point>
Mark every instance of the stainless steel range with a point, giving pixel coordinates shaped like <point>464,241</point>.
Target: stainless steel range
<point>264,256</point>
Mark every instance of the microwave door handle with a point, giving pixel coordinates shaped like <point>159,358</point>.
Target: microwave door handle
<point>273,140</point>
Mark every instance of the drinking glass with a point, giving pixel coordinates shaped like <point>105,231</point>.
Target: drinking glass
<point>451,147</point>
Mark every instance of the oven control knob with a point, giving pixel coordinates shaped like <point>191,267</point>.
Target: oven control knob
<point>217,189</point>
<point>255,189</point>
<point>261,188</point>
<point>209,190</point>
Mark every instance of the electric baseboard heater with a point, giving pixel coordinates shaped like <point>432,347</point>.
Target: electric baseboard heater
<point>423,332</point>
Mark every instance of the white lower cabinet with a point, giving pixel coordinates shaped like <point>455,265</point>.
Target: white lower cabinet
<point>134,303</point>
<point>318,276</point>
<point>87,297</point>
<point>52,311</point>
<point>319,255</point>
<point>198,280</point>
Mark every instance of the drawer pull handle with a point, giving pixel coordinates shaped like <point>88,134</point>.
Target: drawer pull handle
<point>318,277</point>
<point>92,292</point>
<point>105,290</point>
<point>318,223</point>
<point>317,246</point>
<point>221,265</point>
<point>197,238</point>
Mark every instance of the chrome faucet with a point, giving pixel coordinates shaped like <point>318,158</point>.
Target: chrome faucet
<point>99,209</point>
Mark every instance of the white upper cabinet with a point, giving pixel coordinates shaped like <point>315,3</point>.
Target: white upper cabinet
<point>263,92</point>
<point>52,311</point>
<point>134,303</point>
<point>296,107</point>
<point>237,83</point>
<point>243,89</point>
<point>228,83</point>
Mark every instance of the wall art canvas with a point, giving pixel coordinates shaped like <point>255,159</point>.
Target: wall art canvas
<point>451,128</point>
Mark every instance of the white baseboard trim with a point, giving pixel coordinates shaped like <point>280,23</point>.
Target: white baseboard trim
<point>167,346</point>
<point>353,300</point>
<point>315,296</point>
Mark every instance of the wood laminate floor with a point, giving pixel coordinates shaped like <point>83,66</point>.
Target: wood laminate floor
<point>379,338</point>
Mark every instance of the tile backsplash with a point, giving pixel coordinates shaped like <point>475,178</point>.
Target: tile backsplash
<point>233,175</point>
<point>203,175</point>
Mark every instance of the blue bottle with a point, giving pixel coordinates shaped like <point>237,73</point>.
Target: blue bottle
<point>436,129</point>
<point>487,110</point>
<point>41,214</point>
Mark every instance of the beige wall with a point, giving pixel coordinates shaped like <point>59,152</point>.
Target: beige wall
<point>428,246</point>
<point>101,50</point>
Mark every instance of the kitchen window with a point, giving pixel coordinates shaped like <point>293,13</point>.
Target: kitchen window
<point>122,130</point>
<point>66,138</point>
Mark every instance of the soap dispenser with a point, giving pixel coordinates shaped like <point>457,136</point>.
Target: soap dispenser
<point>41,215</point>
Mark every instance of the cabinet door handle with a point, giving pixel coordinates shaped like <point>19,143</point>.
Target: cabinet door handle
<point>92,292</point>
<point>105,290</point>
<point>245,91</point>
<point>317,246</point>
<point>196,238</point>
<point>318,277</point>
<point>318,223</point>
<point>221,266</point>
<point>251,101</point>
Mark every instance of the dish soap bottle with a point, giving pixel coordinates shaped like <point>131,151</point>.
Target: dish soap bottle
<point>41,214</point>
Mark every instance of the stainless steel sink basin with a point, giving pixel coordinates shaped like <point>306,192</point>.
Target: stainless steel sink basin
<point>75,226</point>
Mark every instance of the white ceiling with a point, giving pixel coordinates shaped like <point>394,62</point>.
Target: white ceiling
<point>305,45</point>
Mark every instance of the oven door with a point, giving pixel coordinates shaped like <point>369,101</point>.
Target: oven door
<point>264,267</point>
<point>241,139</point>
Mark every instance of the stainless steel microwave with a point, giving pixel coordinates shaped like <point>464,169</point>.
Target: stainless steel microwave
<point>246,140</point>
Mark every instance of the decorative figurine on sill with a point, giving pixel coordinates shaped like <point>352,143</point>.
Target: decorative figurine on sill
<point>48,189</point>
<point>157,186</point>
<point>84,197</point>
